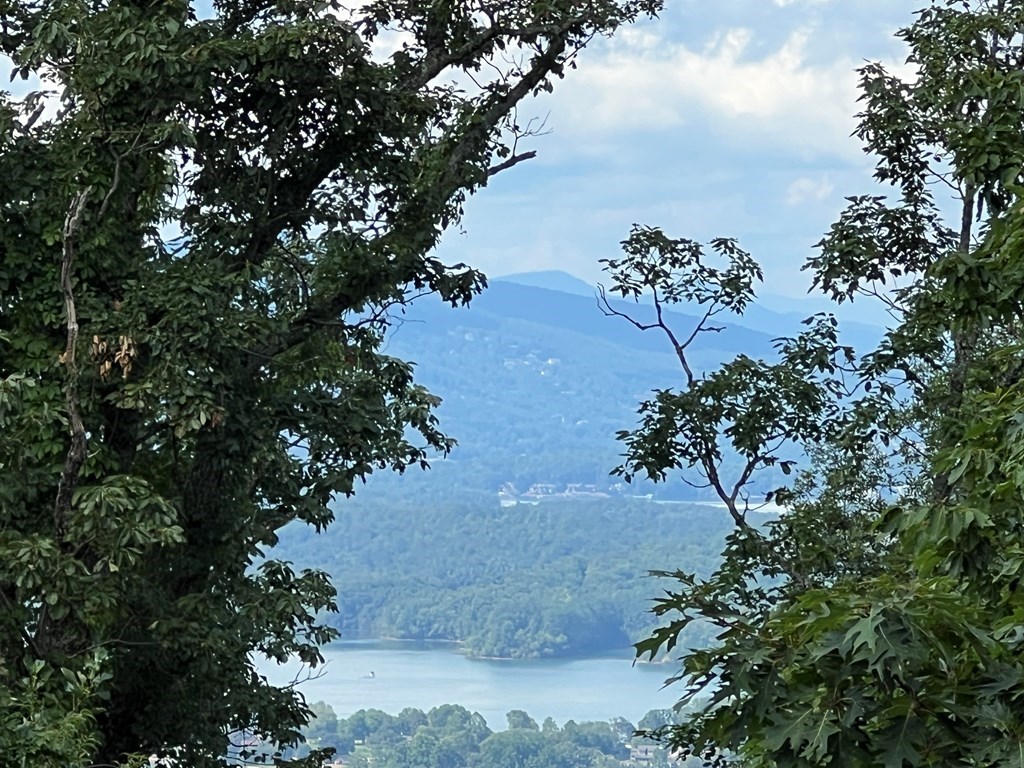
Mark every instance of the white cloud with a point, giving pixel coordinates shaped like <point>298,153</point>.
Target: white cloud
<point>806,189</point>
<point>700,125</point>
<point>642,82</point>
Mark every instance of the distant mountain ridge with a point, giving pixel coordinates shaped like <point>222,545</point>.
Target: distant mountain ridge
<point>521,543</point>
<point>770,313</point>
<point>551,279</point>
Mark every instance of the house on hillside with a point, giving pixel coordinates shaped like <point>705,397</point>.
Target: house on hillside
<point>541,489</point>
<point>643,754</point>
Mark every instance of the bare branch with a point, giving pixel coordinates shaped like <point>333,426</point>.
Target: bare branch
<point>708,468</point>
<point>542,66</point>
<point>32,118</point>
<point>514,160</point>
<point>117,176</point>
<point>608,311</point>
<point>729,499</point>
<point>437,59</point>
<point>470,143</point>
<point>745,475</point>
<point>680,349</point>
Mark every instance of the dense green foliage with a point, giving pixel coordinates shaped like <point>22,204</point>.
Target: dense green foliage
<point>200,239</point>
<point>449,736</point>
<point>560,578</point>
<point>878,623</point>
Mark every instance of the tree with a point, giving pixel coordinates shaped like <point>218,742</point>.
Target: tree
<point>623,729</point>
<point>517,718</point>
<point>518,748</point>
<point>322,729</point>
<point>410,719</point>
<point>425,749</point>
<point>656,719</point>
<point>749,408</point>
<point>205,221</point>
<point>878,621</point>
<point>595,736</point>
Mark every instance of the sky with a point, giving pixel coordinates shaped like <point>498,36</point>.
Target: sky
<point>728,118</point>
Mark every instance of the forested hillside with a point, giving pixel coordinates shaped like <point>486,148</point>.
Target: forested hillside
<point>558,578</point>
<point>536,381</point>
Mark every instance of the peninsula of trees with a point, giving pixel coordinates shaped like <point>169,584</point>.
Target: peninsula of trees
<point>559,578</point>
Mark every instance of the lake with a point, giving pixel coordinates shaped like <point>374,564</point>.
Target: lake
<point>425,675</point>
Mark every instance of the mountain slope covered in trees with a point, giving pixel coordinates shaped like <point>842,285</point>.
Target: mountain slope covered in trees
<point>536,382</point>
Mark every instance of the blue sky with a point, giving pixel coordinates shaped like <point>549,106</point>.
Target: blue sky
<point>728,118</point>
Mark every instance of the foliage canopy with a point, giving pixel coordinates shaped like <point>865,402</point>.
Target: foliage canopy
<point>450,736</point>
<point>200,245</point>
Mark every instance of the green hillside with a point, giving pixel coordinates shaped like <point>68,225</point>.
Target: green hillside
<point>536,383</point>
<point>565,577</point>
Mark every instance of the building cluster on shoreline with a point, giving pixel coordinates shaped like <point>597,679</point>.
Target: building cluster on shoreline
<point>509,495</point>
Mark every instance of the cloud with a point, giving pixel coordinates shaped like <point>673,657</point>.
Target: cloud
<point>779,96</point>
<point>806,189</point>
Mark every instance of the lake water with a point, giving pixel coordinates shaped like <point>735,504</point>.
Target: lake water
<point>426,675</point>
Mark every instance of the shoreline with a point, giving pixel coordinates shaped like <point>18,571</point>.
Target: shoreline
<point>628,653</point>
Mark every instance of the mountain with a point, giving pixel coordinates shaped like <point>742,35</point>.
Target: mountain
<point>565,577</point>
<point>552,280</point>
<point>580,315</point>
<point>536,382</point>
<point>772,314</point>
